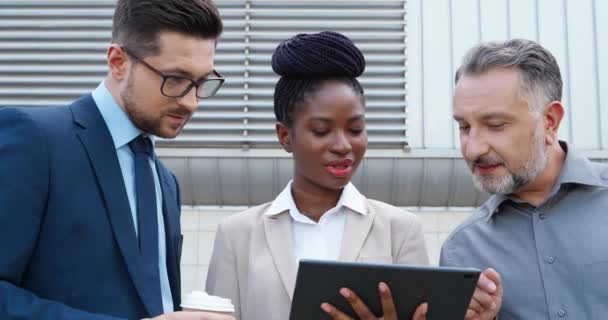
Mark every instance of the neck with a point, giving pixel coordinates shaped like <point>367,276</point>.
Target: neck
<point>313,201</point>
<point>537,192</point>
<point>114,88</point>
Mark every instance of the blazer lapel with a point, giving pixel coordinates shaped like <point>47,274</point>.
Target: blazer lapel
<point>97,141</point>
<point>171,215</point>
<point>356,229</point>
<point>280,241</point>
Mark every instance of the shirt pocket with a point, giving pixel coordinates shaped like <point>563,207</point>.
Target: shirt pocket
<point>596,288</point>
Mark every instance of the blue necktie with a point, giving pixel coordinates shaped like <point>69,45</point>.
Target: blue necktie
<point>147,217</point>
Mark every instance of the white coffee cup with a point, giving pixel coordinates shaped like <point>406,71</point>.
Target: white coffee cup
<point>201,301</point>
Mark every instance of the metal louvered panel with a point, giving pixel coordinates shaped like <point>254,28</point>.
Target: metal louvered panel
<point>54,51</point>
<point>377,27</point>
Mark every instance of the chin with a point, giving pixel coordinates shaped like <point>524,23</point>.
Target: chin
<point>338,184</point>
<point>167,133</point>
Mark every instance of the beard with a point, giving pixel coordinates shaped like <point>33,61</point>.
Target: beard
<point>515,179</point>
<point>149,121</point>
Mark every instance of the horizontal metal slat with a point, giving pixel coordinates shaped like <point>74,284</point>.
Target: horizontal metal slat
<point>316,13</point>
<point>267,115</point>
<point>279,35</point>
<point>194,126</point>
<point>348,4</point>
<point>185,138</point>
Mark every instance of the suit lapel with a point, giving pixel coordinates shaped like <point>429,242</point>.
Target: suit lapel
<point>97,141</point>
<point>172,229</point>
<point>280,241</point>
<point>356,229</point>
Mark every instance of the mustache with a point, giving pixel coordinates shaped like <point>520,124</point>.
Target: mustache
<point>180,112</point>
<point>486,161</point>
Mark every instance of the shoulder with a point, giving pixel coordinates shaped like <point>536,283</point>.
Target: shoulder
<point>20,117</point>
<point>601,169</point>
<point>39,123</point>
<point>244,220</point>
<point>397,220</point>
<point>471,227</point>
<point>386,211</point>
<point>23,126</point>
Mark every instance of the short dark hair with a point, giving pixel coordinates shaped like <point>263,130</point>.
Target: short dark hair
<point>541,80</point>
<point>138,23</point>
<point>307,61</point>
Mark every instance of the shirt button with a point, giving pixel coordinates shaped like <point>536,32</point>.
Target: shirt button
<point>561,313</point>
<point>550,260</point>
<point>542,216</point>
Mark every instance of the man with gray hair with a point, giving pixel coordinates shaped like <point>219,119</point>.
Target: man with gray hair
<point>543,229</point>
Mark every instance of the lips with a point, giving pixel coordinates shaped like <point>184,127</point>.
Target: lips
<point>177,119</point>
<point>340,168</point>
<point>487,168</point>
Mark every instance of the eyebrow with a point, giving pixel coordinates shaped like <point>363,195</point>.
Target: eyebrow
<point>182,73</point>
<point>324,119</point>
<point>488,116</point>
<point>495,115</point>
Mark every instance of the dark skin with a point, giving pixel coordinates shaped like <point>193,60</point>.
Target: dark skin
<point>328,140</point>
<point>389,311</point>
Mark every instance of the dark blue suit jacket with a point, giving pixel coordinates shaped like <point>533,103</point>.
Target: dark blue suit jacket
<point>68,244</point>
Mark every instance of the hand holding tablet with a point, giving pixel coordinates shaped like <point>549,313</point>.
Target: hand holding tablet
<point>389,311</point>
<point>448,291</point>
<point>485,303</point>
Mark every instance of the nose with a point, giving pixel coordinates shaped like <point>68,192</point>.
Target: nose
<point>474,145</point>
<point>340,144</point>
<point>189,101</point>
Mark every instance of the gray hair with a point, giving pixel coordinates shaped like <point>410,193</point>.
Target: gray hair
<point>541,81</point>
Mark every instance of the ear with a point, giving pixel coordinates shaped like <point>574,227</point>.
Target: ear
<point>552,118</point>
<point>118,62</point>
<point>284,136</point>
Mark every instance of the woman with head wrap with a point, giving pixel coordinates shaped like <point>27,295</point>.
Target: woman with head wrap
<point>319,106</point>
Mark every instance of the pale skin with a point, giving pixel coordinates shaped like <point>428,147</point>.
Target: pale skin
<point>495,121</point>
<point>136,89</point>
<point>162,116</point>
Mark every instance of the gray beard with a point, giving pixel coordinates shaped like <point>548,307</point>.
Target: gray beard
<point>513,182</point>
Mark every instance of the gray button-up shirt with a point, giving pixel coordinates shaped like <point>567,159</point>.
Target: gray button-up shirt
<point>553,258</point>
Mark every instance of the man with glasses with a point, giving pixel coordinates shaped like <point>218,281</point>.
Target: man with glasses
<point>89,217</point>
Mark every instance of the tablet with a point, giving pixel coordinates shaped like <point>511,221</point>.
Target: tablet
<point>447,290</point>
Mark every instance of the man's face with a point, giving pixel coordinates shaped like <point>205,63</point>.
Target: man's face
<point>502,141</point>
<point>151,111</point>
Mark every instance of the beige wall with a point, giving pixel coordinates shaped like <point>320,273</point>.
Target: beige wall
<point>199,225</point>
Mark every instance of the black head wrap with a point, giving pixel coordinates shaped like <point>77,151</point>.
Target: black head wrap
<point>305,61</point>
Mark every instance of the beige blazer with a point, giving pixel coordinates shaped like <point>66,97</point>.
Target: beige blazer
<point>253,261</point>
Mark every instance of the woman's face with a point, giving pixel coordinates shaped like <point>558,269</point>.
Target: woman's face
<point>327,137</point>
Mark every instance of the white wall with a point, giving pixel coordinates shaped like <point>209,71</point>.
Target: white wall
<point>441,31</point>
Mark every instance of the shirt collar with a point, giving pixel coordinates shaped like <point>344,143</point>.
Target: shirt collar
<point>120,126</point>
<point>350,198</point>
<point>576,170</point>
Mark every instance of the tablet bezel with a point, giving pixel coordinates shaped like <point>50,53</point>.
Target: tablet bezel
<point>447,290</point>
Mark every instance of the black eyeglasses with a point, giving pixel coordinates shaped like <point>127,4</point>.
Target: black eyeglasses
<point>177,87</point>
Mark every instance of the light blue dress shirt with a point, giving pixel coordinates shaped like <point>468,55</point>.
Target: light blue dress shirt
<point>123,131</point>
